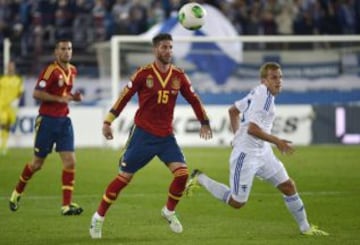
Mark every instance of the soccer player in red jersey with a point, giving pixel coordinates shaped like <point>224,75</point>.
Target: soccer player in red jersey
<point>157,86</point>
<point>53,126</point>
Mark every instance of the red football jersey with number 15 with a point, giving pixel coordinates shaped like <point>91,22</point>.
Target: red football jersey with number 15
<point>157,94</point>
<point>55,80</point>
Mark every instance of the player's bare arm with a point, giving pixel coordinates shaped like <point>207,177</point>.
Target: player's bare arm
<point>45,96</point>
<point>234,118</point>
<point>282,144</point>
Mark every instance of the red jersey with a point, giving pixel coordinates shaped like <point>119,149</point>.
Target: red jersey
<point>56,80</point>
<point>157,93</point>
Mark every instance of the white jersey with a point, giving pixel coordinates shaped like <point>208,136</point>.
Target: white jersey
<point>252,156</point>
<point>257,107</point>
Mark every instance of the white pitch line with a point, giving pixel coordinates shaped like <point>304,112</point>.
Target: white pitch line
<point>141,195</point>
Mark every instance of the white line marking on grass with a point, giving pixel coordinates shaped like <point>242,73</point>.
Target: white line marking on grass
<point>157,194</point>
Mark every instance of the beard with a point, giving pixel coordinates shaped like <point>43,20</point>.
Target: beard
<point>164,60</point>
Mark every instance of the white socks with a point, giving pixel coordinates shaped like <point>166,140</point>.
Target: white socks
<point>296,208</point>
<point>97,216</point>
<point>293,203</point>
<point>217,189</point>
<point>167,211</point>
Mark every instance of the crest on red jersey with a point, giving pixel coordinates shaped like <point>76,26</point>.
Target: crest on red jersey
<point>149,82</point>
<point>61,81</point>
<point>175,83</point>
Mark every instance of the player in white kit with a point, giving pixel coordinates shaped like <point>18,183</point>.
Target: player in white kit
<point>251,120</point>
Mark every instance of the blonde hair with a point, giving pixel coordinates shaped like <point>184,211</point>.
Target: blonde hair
<point>268,66</point>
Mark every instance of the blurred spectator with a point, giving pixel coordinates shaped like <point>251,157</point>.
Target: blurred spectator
<point>166,6</point>
<point>82,25</point>
<point>239,15</point>
<point>137,18</point>
<point>175,5</point>
<point>120,13</point>
<point>33,25</point>
<point>25,9</point>
<point>285,18</point>
<point>44,18</point>
<point>329,22</point>
<point>16,39</point>
<point>357,16</point>
<point>253,26</point>
<point>64,20</point>
<point>304,25</point>
<point>156,13</point>
<point>38,34</point>
<point>99,13</point>
<point>269,27</point>
<point>347,16</point>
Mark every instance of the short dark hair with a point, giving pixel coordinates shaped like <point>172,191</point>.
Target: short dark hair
<point>62,40</point>
<point>161,37</point>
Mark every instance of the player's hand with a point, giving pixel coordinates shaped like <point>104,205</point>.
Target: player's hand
<point>77,96</point>
<point>65,99</point>
<point>107,131</point>
<point>285,147</point>
<point>205,132</point>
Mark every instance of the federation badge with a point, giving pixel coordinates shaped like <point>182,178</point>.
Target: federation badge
<point>175,83</point>
<point>61,81</point>
<point>149,82</point>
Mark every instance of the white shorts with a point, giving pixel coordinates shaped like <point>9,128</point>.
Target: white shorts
<point>245,166</point>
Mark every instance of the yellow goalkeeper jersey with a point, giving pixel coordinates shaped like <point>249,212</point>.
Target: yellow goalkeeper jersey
<point>11,88</point>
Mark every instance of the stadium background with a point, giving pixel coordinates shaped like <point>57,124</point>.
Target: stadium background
<point>321,79</point>
<point>317,110</point>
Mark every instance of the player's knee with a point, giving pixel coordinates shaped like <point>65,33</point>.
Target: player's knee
<point>235,204</point>
<point>35,166</point>
<point>125,177</point>
<point>288,187</point>
<point>183,178</point>
<point>69,165</point>
<point>37,163</point>
<point>181,174</point>
<point>68,162</point>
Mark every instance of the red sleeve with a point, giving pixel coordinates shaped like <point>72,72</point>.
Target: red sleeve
<point>188,92</point>
<point>125,95</point>
<point>44,80</point>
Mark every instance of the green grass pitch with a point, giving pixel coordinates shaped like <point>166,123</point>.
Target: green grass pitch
<point>328,179</point>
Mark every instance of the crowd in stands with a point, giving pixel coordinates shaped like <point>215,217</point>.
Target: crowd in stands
<point>33,25</point>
